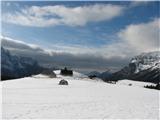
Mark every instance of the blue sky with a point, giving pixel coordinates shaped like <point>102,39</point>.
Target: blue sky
<point>98,25</point>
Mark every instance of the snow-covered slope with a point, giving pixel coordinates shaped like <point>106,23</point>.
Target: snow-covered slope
<point>40,97</point>
<point>134,83</point>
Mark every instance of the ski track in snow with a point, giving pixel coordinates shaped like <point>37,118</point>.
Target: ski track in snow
<point>42,98</point>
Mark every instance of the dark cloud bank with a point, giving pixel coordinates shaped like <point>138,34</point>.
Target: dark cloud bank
<point>81,62</point>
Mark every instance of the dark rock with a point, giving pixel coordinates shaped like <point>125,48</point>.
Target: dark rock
<point>130,84</point>
<point>66,72</point>
<point>157,87</point>
<point>63,82</point>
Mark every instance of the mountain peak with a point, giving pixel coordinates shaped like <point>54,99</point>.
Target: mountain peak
<point>144,67</point>
<point>145,61</point>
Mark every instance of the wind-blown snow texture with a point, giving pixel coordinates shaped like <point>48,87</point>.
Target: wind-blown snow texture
<point>40,97</point>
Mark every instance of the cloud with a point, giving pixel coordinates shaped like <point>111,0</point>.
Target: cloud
<point>132,40</point>
<point>61,15</point>
<point>88,60</point>
<point>137,3</point>
<point>19,45</point>
<point>142,37</point>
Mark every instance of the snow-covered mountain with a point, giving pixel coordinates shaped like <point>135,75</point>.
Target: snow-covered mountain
<point>15,66</point>
<point>145,61</point>
<point>144,67</point>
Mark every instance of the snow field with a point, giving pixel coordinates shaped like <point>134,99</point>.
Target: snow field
<point>42,98</point>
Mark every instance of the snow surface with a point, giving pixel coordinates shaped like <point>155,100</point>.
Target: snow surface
<point>134,83</point>
<point>42,98</point>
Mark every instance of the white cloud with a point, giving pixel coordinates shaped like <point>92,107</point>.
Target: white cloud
<point>137,3</point>
<point>106,51</point>
<point>9,42</point>
<point>62,15</point>
<point>142,37</point>
<point>132,40</point>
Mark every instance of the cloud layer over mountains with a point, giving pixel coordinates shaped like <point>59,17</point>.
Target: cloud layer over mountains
<point>85,61</point>
<point>134,39</point>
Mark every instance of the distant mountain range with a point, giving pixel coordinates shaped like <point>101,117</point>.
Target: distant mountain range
<point>13,67</point>
<point>144,67</point>
<point>103,75</point>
